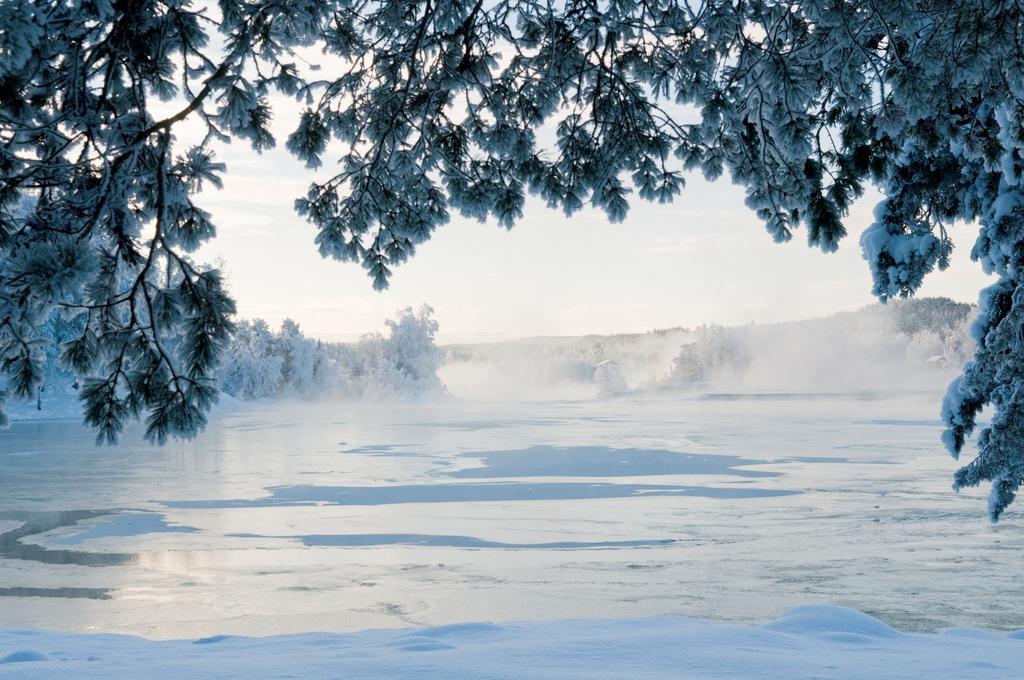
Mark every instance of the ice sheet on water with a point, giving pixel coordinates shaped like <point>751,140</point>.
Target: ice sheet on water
<point>15,544</point>
<point>122,525</point>
<point>604,461</point>
<point>470,493</point>
<point>442,541</point>
<point>874,525</point>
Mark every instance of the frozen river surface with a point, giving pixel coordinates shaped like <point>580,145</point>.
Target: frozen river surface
<point>308,517</point>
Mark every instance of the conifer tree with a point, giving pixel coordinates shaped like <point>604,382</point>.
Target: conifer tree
<point>465,106</point>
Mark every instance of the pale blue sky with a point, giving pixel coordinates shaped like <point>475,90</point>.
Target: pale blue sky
<point>705,258</point>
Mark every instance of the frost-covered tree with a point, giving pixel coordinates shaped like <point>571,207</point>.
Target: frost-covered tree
<point>259,363</point>
<point>113,215</point>
<point>251,367</point>
<point>297,353</point>
<point>466,106</point>
<point>60,328</point>
<point>713,351</point>
<point>402,363</point>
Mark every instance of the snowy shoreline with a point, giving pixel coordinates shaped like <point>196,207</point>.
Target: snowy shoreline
<point>822,642</point>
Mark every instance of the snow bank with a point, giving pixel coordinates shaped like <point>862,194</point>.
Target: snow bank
<point>818,642</point>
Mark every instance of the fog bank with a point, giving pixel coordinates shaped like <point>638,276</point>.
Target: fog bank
<point>904,345</point>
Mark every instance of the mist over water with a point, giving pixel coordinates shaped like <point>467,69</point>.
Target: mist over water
<point>906,345</point>
<point>539,369</point>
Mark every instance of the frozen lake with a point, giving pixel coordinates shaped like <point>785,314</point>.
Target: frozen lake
<point>308,517</point>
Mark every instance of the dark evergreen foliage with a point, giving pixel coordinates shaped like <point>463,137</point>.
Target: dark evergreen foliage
<point>447,105</point>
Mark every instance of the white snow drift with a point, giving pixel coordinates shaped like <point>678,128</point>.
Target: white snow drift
<point>820,642</point>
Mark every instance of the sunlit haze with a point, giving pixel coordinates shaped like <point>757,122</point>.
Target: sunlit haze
<point>666,447</point>
<point>704,259</point>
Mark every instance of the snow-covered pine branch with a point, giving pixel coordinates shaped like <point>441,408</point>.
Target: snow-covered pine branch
<point>112,216</point>
<point>439,105</point>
